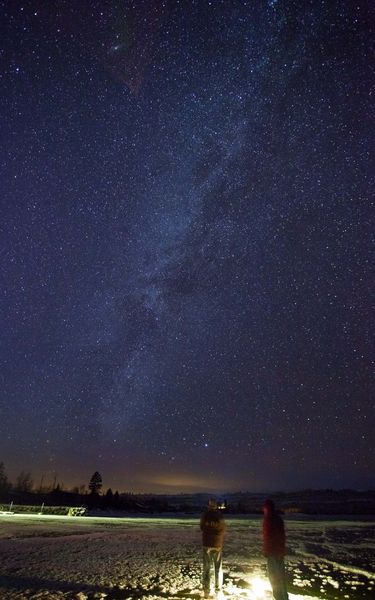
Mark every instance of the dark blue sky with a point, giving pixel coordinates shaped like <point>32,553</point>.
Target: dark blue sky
<point>185,243</point>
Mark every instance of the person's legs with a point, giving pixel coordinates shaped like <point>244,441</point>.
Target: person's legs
<point>206,577</point>
<point>218,565</point>
<point>276,574</point>
<point>283,587</point>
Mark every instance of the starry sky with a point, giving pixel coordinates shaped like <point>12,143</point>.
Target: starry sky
<point>185,282</point>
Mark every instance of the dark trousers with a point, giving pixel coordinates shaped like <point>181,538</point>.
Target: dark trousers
<point>212,558</point>
<point>276,574</point>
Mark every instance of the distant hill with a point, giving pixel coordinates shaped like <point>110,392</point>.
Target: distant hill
<point>311,502</point>
<point>308,502</point>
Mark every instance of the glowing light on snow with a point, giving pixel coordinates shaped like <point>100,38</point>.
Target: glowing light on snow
<point>259,586</point>
<point>256,588</point>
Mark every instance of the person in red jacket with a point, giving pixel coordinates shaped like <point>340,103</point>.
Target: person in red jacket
<point>274,549</point>
<point>212,525</point>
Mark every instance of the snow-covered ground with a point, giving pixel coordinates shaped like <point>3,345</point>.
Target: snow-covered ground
<point>159,559</point>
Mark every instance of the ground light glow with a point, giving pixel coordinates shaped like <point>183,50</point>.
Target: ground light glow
<point>259,586</point>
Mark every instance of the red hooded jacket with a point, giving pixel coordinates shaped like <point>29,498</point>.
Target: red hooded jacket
<point>273,535</point>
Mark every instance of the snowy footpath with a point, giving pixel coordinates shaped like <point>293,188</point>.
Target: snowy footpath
<point>158,559</point>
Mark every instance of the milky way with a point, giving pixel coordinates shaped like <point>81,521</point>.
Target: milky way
<point>185,243</point>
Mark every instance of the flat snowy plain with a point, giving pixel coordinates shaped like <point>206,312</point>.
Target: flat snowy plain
<point>159,559</point>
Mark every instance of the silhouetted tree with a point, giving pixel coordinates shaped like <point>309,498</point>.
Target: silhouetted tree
<point>57,495</point>
<point>5,484</point>
<point>109,497</point>
<point>24,482</point>
<point>96,483</point>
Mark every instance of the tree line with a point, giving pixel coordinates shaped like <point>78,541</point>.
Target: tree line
<point>25,483</point>
<point>24,491</point>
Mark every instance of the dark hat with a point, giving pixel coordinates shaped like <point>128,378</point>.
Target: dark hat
<point>269,504</point>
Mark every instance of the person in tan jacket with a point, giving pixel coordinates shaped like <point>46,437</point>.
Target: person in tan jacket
<point>212,525</point>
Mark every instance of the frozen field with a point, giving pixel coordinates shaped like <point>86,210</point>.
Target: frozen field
<point>86,558</point>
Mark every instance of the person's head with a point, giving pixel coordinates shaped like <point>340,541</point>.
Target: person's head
<point>268,507</point>
<point>212,504</point>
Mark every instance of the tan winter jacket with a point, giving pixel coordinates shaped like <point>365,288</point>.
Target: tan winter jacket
<point>213,528</point>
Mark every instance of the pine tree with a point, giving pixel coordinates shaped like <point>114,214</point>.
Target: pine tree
<point>96,483</point>
<point>108,499</point>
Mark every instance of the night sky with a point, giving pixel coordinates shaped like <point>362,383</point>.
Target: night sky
<point>185,283</point>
